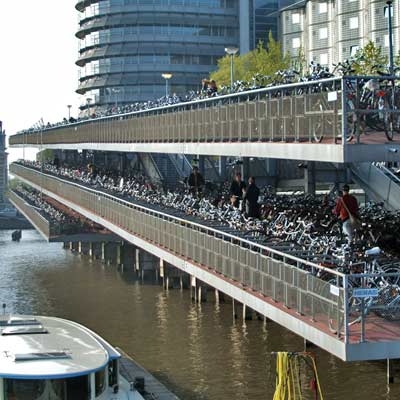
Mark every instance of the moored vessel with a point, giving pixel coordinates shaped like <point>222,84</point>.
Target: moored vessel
<point>48,358</point>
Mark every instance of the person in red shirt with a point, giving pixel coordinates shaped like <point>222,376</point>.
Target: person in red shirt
<point>345,204</point>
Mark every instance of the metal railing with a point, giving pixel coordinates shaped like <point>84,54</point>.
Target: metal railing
<point>286,113</point>
<point>328,110</point>
<point>49,228</point>
<point>284,278</point>
<point>38,220</point>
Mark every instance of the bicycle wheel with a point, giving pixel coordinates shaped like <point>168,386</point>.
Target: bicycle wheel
<point>351,123</point>
<point>389,126</point>
<point>318,134</point>
<point>389,298</point>
<point>335,320</point>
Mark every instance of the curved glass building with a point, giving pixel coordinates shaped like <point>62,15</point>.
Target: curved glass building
<point>126,45</point>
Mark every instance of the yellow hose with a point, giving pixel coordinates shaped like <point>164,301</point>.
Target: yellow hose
<point>288,385</point>
<point>316,376</point>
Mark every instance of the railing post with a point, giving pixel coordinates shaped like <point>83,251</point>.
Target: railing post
<point>346,308</point>
<point>338,308</point>
<point>357,108</point>
<point>362,338</point>
<point>312,291</point>
<point>344,111</point>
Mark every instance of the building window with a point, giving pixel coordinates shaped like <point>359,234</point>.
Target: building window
<point>296,18</point>
<point>323,8</point>
<point>323,33</point>
<point>353,23</point>
<point>295,43</point>
<point>323,59</point>
<point>353,50</point>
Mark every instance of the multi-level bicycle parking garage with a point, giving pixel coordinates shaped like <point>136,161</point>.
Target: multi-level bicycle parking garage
<point>349,312</point>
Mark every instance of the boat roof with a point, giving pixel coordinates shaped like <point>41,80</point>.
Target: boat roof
<point>37,347</point>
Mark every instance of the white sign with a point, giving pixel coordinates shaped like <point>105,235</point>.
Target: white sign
<point>363,293</point>
<point>334,290</point>
<point>332,96</point>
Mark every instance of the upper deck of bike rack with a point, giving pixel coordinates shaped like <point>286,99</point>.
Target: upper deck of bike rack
<point>282,286</point>
<point>302,121</point>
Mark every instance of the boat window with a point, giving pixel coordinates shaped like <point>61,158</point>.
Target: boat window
<point>51,355</point>
<point>100,382</point>
<point>23,330</point>
<point>24,389</point>
<point>56,389</point>
<point>78,388</point>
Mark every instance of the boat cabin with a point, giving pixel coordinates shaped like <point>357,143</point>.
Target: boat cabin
<point>46,358</point>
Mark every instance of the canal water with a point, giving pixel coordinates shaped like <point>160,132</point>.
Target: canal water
<point>198,351</point>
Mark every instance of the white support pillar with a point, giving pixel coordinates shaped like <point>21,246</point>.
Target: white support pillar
<point>244,26</point>
<point>1,389</point>
<point>92,386</point>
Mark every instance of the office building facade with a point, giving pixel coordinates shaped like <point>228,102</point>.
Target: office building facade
<point>126,45</point>
<point>328,31</point>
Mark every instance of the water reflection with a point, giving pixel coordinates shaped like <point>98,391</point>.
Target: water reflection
<point>199,351</point>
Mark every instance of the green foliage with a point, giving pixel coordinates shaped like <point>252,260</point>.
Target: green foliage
<point>367,58</point>
<point>46,155</point>
<point>223,74</point>
<point>261,60</point>
<point>299,63</point>
<point>13,183</point>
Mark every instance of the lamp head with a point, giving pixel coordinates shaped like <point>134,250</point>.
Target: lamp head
<point>231,50</point>
<point>166,76</point>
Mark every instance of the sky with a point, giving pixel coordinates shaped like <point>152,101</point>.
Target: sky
<point>38,75</point>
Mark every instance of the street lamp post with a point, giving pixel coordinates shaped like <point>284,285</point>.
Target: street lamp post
<point>116,91</point>
<point>69,111</point>
<point>390,29</point>
<point>167,77</point>
<point>231,51</point>
<point>88,101</point>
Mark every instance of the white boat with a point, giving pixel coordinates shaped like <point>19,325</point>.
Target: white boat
<point>47,358</point>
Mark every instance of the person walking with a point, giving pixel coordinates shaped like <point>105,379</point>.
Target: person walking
<point>250,199</point>
<point>347,210</point>
<point>195,181</point>
<point>237,189</point>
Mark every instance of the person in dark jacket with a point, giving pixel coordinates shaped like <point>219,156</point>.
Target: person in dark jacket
<point>196,180</point>
<point>56,161</point>
<point>237,189</point>
<point>250,199</point>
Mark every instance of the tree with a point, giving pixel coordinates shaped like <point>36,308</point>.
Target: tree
<point>369,59</point>
<point>299,63</point>
<point>264,61</point>
<point>46,155</point>
<point>223,74</point>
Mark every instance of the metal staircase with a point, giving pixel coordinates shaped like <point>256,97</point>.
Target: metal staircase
<point>170,167</point>
<point>379,183</point>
